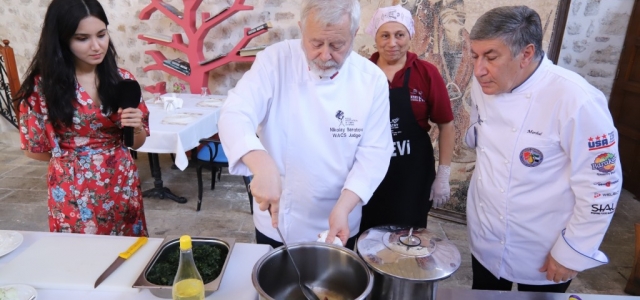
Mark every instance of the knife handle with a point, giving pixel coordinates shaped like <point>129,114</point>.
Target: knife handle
<point>141,241</point>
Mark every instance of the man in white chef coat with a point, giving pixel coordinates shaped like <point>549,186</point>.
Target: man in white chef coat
<point>321,114</point>
<point>547,176</point>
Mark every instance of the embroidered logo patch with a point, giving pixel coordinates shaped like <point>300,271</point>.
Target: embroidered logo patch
<point>604,163</point>
<point>346,128</point>
<point>607,184</point>
<point>602,141</point>
<point>531,157</point>
<point>603,209</point>
<point>340,116</point>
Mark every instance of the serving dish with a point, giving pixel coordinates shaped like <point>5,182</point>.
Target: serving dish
<point>172,243</point>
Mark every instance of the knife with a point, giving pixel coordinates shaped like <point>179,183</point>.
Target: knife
<point>121,258</point>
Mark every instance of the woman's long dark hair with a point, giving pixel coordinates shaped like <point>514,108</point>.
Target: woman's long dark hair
<point>55,62</point>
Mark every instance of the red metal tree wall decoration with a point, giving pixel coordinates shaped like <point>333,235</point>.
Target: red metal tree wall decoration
<point>199,74</point>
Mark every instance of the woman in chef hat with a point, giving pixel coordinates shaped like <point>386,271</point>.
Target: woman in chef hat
<point>417,95</point>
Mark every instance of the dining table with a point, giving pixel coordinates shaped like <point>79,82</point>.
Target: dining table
<point>72,277</point>
<point>176,128</point>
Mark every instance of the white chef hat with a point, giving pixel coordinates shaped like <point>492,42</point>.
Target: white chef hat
<point>395,13</point>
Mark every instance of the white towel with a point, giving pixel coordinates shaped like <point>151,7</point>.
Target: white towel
<point>323,238</point>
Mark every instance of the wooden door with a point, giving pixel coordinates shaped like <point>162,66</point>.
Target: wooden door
<point>625,104</point>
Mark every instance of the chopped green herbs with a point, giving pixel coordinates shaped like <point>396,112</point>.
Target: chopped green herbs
<point>208,258</point>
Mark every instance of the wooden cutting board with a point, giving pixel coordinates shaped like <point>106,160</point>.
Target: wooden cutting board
<point>75,262</point>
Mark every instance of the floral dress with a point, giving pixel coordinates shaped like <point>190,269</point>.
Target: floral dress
<point>93,183</point>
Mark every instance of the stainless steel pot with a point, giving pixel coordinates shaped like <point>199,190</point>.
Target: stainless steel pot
<point>329,269</point>
<point>407,262</point>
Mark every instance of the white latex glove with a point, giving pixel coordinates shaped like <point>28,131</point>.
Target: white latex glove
<point>440,190</point>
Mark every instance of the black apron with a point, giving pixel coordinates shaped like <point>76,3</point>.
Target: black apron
<point>403,196</point>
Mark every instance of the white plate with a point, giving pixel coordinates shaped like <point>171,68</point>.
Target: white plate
<point>181,118</point>
<point>18,292</point>
<point>210,103</point>
<point>9,241</point>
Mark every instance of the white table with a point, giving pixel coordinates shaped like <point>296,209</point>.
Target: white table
<point>169,138</point>
<point>177,138</point>
<point>236,282</point>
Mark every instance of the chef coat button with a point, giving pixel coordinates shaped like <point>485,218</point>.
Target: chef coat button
<point>481,204</point>
<point>479,177</point>
<point>514,130</point>
<point>506,161</point>
<point>501,190</point>
<point>501,218</point>
<point>502,242</point>
<point>482,149</point>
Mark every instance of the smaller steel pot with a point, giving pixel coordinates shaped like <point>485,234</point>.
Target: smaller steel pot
<point>407,262</point>
<point>329,269</point>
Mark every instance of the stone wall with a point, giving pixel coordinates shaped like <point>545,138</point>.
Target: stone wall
<point>593,39</point>
<point>21,20</point>
<point>442,38</point>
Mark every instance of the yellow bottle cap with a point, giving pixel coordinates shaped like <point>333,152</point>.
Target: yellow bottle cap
<point>185,242</point>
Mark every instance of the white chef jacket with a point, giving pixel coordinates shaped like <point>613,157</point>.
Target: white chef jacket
<point>547,176</point>
<point>324,134</point>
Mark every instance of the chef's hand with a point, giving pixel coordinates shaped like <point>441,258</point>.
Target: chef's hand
<point>440,190</point>
<point>130,117</point>
<point>339,217</point>
<point>266,187</point>
<point>557,272</point>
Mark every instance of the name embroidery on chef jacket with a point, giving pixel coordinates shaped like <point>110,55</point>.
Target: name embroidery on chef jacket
<point>346,128</point>
<point>531,157</point>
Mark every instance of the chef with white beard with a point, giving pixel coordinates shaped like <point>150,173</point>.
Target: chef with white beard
<point>320,113</point>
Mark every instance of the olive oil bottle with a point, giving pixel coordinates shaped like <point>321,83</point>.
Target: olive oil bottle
<point>187,284</point>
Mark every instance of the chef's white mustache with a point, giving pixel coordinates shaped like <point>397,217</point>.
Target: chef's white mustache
<point>325,65</point>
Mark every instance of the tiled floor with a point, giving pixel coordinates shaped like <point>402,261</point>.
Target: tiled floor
<point>225,213</point>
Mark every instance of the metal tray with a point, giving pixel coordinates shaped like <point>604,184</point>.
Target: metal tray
<point>164,291</point>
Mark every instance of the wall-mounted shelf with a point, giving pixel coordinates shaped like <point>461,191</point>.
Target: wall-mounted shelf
<point>199,74</point>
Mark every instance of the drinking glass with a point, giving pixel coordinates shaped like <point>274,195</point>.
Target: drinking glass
<point>156,98</point>
<point>170,108</point>
<point>204,93</point>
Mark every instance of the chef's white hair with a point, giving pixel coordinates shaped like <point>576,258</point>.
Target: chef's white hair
<point>516,26</point>
<point>331,12</point>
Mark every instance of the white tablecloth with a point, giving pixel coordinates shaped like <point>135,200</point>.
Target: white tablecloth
<point>171,138</point>
<point>236,282</point>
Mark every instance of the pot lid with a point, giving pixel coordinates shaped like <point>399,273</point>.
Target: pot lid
<point>408,253</point>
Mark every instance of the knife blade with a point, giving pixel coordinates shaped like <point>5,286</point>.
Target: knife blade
<point>121,258</point>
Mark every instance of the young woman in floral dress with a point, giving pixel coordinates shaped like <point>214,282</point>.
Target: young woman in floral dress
<point>70,117</point>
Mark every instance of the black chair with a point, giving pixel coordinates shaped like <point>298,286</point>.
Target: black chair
<point>212,157</point>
